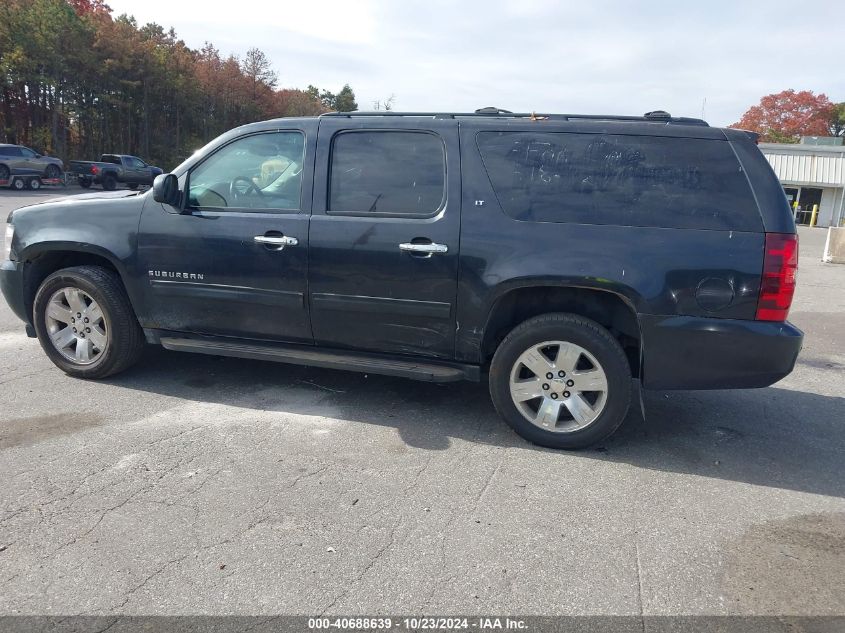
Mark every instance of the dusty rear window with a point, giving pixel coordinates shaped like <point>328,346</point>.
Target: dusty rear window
<point>621,180</point>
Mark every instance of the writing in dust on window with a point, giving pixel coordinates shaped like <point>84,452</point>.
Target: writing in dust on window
<point>600,165</point>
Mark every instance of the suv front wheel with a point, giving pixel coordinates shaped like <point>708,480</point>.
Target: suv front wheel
<point>561,381</point>
<point>85,322</point>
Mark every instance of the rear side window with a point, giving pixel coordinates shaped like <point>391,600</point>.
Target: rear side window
<point>621,180</point>
<point>387,173</point>
<point>11,151</point>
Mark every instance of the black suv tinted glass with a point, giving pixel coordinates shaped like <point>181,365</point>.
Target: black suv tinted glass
<point>387,173</point>
<point>10,151</point>
<point>618,179</point>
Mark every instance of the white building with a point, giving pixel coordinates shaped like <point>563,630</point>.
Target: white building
<point>811,174</point>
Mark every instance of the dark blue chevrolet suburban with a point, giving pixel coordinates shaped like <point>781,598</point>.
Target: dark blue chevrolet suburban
<point>557,256</point>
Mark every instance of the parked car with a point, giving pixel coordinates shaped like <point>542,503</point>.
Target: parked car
<point>17,160</point>
<point>112,169</point>
<point>555,256</point>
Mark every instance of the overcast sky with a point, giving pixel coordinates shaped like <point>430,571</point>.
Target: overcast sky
<point>531,55</point>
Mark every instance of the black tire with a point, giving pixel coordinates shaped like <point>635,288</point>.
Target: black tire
<point>4,172</point>
<point>34,183</point>
<point>52,172</point>
<point>590,336</point>
<point>18,184</point>
<point>85,183</point>
<point>126,339</point>
<point>133,186</point>
<point>109,182</point>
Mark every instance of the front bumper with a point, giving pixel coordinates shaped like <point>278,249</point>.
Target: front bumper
<point>11,285</point>
<point>684,352</point>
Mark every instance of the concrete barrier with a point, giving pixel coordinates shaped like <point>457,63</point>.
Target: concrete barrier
<point>834,246</point>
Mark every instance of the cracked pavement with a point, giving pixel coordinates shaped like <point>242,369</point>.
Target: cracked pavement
<point>201,485</point>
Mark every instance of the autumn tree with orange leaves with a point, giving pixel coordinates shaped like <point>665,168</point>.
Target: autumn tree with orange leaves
<point>787,116</point>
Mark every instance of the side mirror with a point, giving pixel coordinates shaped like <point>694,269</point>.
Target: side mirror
<point>166,189</point>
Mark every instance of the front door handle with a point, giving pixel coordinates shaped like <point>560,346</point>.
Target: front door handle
<point>428,249</point>
<point>279,241</point>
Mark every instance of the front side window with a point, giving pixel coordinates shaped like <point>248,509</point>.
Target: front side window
<point>27,153</point>
<point>136,163</point>
<point>262,171</point>
<point>393,173</point>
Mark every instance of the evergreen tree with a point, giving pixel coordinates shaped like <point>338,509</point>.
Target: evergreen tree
<point>345,100</point>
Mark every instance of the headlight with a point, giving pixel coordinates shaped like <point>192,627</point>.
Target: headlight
<point>7,241</point>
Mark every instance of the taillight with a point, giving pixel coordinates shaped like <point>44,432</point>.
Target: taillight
<point>95,170</point>
<point>777,286</point>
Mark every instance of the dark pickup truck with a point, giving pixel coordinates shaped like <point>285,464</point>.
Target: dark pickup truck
<point>555,256</point>
<point>112,169</point>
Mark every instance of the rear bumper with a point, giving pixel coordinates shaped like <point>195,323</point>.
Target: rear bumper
<point>682,352</point>
<point>11,285</point>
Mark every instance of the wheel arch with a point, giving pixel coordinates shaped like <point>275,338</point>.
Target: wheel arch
<point>611,309</point>
<point>44,259</point>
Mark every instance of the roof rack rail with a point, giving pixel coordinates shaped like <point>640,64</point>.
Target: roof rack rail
<point>655,116</point>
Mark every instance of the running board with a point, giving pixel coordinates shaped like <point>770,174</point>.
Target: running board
<point>332,359</point>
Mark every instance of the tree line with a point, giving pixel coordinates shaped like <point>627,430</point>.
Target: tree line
<point>77,81</point>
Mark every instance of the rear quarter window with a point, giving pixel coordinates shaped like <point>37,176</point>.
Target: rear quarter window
<point>620,180</point>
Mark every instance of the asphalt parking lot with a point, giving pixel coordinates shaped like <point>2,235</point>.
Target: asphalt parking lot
<point>194,484</point>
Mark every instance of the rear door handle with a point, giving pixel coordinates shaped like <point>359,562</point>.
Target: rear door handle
<point>427,249</point>
<point>279,241</point>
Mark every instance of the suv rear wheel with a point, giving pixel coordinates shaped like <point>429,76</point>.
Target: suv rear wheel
<point>85,322</point>
<point>561,381</point>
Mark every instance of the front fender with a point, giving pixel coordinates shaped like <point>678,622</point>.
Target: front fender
<point>104,226</point>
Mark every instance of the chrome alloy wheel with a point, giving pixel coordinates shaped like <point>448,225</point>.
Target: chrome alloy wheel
<point>558,386</point>
<point>76,326</point>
